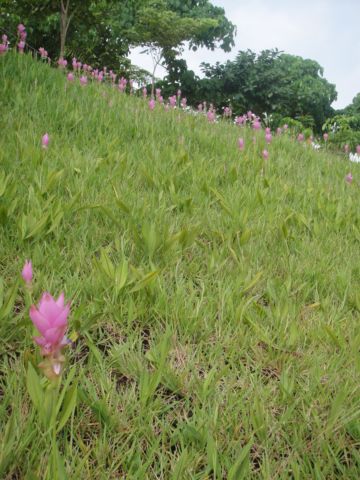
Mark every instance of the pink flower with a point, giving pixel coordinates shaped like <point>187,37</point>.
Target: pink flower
<point>300,137</point>
<point>346,148</point>
<point>43,52</point>
<point>62,62</point>
<point>50,319</point>
<point>21,46</point>
<point>144,92</point>
<point>241,143</point>
<point>83,80</point>
<point>267,130</point>
<point>183,102</point>
<point>227,112</point>
<point>265,154</point>
<point>326,137</point>
<point>21,28</point>
<point>358,149</point>
<point>210,116</point>
<point>4,39</point>
<point>3,48</point>
<point>268,138</point>
<point>158,92</point>
<point>349,178</point>
<point>286,126</point>
<point>27,273</point>
<point>45,140</point>
<point>278,131</point>
<point>70,77</point>
<point>256,124</point>
<point>172,101</point>
<point>23,35</point>
<point>179,93</point>
<point>152,104</point>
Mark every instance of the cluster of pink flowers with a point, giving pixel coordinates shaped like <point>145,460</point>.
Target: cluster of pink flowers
<point>122,84</point>
<point>227,112</point>
<point>4,45</point>
<point>22,37</point>
<point>50,318</point>
<point>62,62</point>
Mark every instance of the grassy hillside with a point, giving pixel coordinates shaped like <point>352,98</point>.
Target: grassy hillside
<point>215,296</point>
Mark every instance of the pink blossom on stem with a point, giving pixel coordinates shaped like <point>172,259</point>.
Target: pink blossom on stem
<point>4,39</point>
<point>50,318</point>
<point>358,149</point>
<point>152,104</point>
<point>20,28</point>
<point>83,80</point>
<point>241,144</point>
<point>286,126</point>
<point>183,102</point>
<point>3,48</point>
<point>349,178</point>
<point>267,130</point>
<point>300,137</point>
<point>70,77</point>
<point>210,116</point>
<point>172,101</point>
<point>268,138</point>
<point>256,124</point>
<point>21,46</point>
<point>179,93</point>
<point>27,273</point>
<point>23,35</point>
<point>45,140</point>
<point>278,131</point>
<point>144,92</point>
<point>265,154</point>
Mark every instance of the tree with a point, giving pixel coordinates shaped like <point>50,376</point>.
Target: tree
<point>89,29</point>
<point>162,27</point>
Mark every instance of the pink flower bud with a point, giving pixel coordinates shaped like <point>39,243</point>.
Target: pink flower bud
<point>70,77</point>
<point>358,149</point>
<point>152,104</point>
<point>27,273</point>
<point>300,137</point>
<point>241,143</point>
<point>256,124</point>
<point>45,140</point>
<point>265,154</point>
<point>21,28</point>
<point>144,92</point>
<point>83,80</point>
<point>183,102</point>
<point>267,130</point>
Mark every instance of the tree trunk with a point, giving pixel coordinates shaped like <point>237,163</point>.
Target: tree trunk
<point>64,25</point>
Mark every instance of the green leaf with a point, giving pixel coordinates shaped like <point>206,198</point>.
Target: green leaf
<point>68,406</point>
<point>34,387</point>
<point>240,469</point>
<point>145,281</point>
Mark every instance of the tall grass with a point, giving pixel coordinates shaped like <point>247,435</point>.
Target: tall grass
<point>215,296</point>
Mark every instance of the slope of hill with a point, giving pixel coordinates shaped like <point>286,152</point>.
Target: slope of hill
<point>215,295</point>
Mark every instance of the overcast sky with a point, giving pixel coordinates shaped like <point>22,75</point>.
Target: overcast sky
<point>327,31</point>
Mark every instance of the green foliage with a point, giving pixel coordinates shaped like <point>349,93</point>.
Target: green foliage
<point>272,82</point>
<point>215,300</point>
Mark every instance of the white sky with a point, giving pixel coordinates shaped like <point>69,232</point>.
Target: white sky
<point>327,31</point>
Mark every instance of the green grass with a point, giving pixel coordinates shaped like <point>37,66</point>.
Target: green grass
<point>216,302</point>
